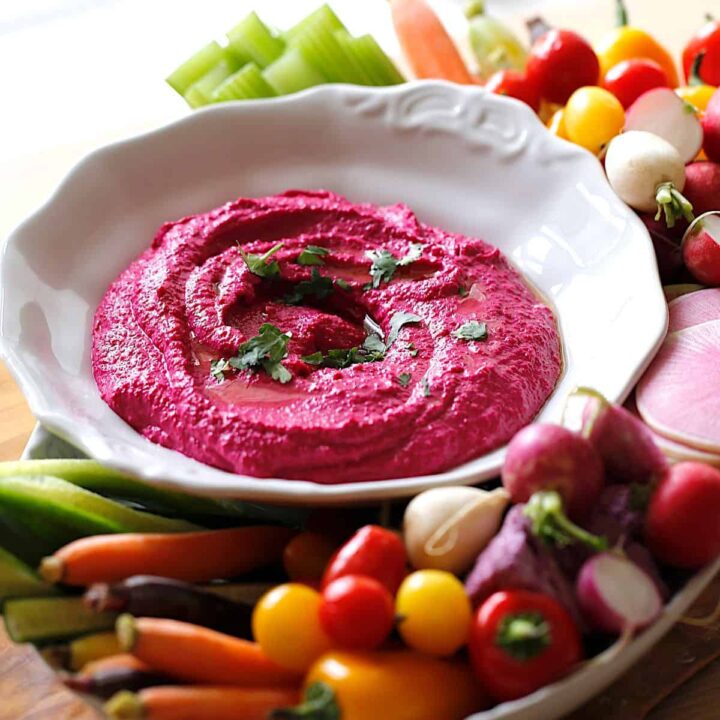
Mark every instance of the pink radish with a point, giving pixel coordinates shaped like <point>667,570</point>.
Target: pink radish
<point>702,186</point>
<point>664,113</point>
<point>622,441</point>
<point>701,249</point>
<point>677,397</point>
<point>672,292</point>
<point>551,457</point>
<point>694,309</point>
<point>711,128</point>
<point>615,595</point>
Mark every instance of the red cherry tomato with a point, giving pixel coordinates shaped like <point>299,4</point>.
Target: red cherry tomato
<point>357,612</point>
<point>374,552</point>
<point>682,525</point>
<point>560,62</point>
<point>707,40</point>
<point>306,556</point>
<point>521,641</point>
<point>516,84</point>
<point>629,79</point>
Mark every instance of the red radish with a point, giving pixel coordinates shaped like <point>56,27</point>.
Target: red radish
<point>672,292</point>
<point>616,595</point>
<point>711,128</point>
<point>682,526</point>
<point>623,442</point>
<point>630,79</point>
<point>677,397</point>
<point>702,186</point>
<point>701,249</point>
<point>663,113</point>
<point>666,243</point>
<point>551,457</point>
<point>694,309</point>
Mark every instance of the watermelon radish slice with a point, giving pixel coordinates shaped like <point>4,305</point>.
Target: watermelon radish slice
<point>678,395</point>
<point>694,309</point>
<point>662,112</point>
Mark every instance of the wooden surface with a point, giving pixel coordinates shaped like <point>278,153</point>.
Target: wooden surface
<point>29,690</point>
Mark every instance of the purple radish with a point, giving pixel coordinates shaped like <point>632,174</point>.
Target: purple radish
<point>616,596</point>
<point>664,113</point>
<point>551,457</point>
<point>622,441</point>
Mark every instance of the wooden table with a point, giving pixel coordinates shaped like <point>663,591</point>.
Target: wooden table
<point>29,690</point>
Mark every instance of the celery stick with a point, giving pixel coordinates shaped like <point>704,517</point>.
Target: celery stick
<point>253,39</point>
<point>195,67</point>
<point>246,84</point>
<point>19,580</point>
<point>324,14</point>
<point>374,61</point>
<point>200,92</point>
<point>292,72</point>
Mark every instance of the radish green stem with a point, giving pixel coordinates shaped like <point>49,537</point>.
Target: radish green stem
<point>673,203</point>
<point>549,522</point>
<point>622,18</point>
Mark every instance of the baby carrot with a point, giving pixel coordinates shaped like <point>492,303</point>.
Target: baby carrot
<point>121,661</point>
<point>426,44</point>
<point>197,654</point>
<point>199,703</point>
<point>193,557</point>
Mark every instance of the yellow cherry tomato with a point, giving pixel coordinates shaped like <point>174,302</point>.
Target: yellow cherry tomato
<point>286,624</point>
<point>627,43</point>
<point>697,95</point>
<point>593,117</point>
<point>556,124</point>
<point>434,611</point>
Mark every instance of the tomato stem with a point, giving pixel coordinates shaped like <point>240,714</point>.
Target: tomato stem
<point>622,18</point>
<point>473,8</point>
<point>319,703</point>
<point>673,204</point>
<point>524,636</point>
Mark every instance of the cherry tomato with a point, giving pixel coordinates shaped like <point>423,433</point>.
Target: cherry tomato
<point>706,40</point>
<point>561,62</point>
<point>593,117</point>
<point>682,525</point>
<point>357,612</point>
<point>307,555</point>
<point>371,551</point>
<point>697,95</point>
<point>629,79</point>
<point>516,84</point>
<point>521,641</point>
<point>556,124</point>
<point>286,624</point>
<point>434,612</point>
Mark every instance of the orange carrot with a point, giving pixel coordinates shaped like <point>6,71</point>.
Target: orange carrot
<point>122,661</point>
<point>425,42</point>
<point>199,703</point>
<point>197,654</point>
<point>193,557</point>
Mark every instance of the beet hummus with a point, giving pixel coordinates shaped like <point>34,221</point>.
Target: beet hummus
<point>301,336</point>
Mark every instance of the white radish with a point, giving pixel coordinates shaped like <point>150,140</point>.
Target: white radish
<point>677,397</point>
<point>446,528</point>
<point>664,113</point>
<point>694,309</point>
<point>648,173</point>
<point>616,595</point>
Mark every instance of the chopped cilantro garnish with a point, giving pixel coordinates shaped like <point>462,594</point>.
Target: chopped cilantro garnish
<point>396,323</point>
<point>315,358</point>
<point>385,264</point>
<point>425,387</point>
<point>319,287</point>
<point>343,284</point>
<point>463,291</point>
<point>412,350</point>
<point>404,379</point>
<point>471,330</point>
<point>259,265</point>
<point>265,352</point>
<point>312,255</point>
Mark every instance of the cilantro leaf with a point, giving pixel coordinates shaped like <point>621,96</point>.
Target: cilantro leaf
<point>404,379</point>
<point>398,320</point>
<point>342,284</point>
<point>412,350</point>
<point>425,387</point>
<point>259,265</point>
<point>414,254</point>
<point>218,368</point>
<point>471,330</point>
<point>372,350</point>
<point>374,344</point>
<point>463,291</point>
<point>385,264</point>
<point>312,255</point>
<point>318,286</point>
<point>315,358</point>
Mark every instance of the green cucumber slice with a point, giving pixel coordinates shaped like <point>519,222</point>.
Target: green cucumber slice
<point>246,84</point>
<point>200,92</point>
<point>253,39</point>
<point>19,580</point>
<point>195,67</point>
<point>325,15</point>
<point>372,58</point>
<point>43,620</point>
<point>292,72</point>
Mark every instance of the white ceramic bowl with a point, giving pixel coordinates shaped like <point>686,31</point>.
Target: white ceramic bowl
<point>465,160</point>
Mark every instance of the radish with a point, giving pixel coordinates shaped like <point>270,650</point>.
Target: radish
<point>664,113</point>
<point>616,595</point>
<point>694,309</point>
<point>701,249</point>
<point>702,186</point>
<point>648,173</point>
<point>551,457</point>
<point>711,128</point>
<point>672,292</point>
<point>666,243</point>
<point>622,441</point>
<point>677,397</point>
